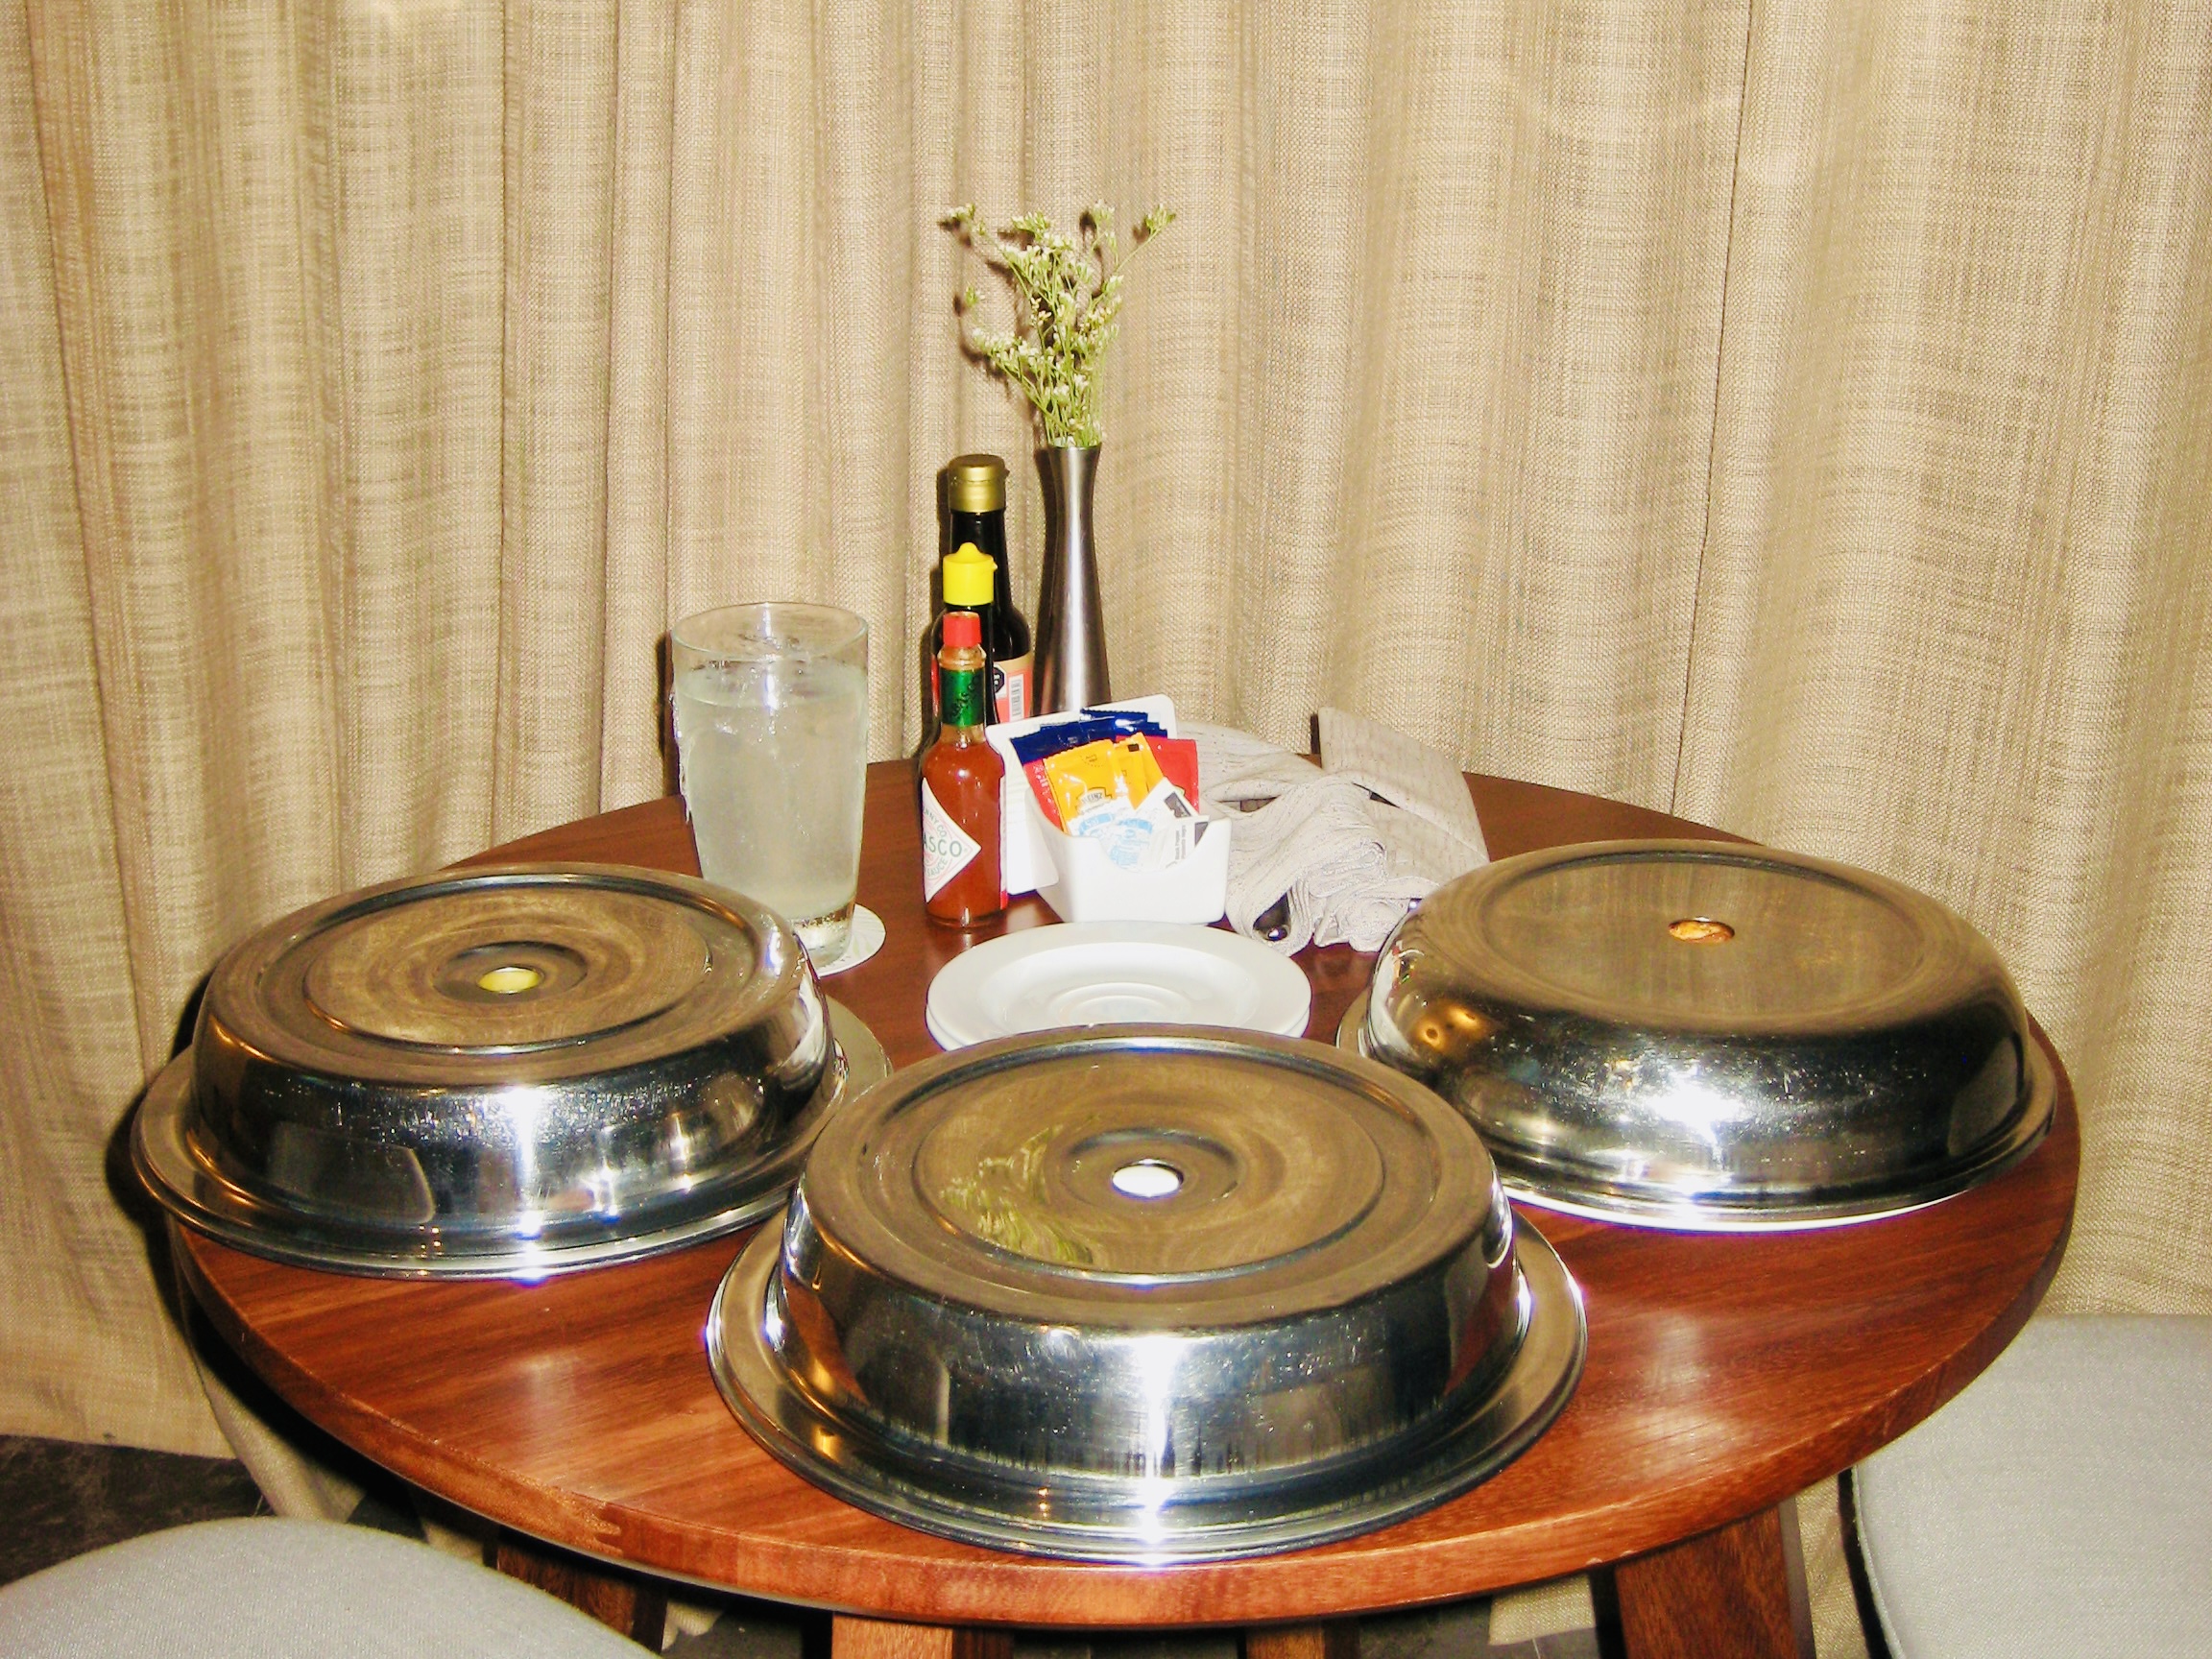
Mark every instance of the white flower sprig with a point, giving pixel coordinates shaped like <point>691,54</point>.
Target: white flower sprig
<point>1069,294</point>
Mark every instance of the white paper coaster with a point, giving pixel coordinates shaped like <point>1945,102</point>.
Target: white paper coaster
<point>863,941</point>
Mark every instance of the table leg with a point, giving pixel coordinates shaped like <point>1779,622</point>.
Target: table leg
<point>1337,1640</point>
<point>637,1608</point>
<point>852,1637</point>
<point>1737,1592</point>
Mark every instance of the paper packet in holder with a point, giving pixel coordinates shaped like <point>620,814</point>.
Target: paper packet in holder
<point>1153,860</point>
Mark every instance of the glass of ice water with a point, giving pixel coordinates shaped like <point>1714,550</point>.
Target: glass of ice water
<point>772,740</point>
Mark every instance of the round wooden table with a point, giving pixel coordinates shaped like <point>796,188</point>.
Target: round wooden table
<point>1725,1374</point>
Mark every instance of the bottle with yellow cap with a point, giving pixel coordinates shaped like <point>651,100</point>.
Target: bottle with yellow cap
<point>975,493</point>
<point>968,578</point>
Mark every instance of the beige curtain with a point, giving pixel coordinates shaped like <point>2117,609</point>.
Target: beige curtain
<point>1791,413</point>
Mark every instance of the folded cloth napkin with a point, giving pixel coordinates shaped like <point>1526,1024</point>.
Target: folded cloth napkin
<point>1345,865</point>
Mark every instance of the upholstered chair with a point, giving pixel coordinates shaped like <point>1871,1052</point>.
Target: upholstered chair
<point>275,1589</point>
<point>2060,1507</point>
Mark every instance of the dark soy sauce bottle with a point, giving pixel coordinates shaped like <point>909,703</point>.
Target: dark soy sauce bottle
<point>976,491</point>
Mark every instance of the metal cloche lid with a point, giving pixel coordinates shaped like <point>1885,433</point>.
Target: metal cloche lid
<point>513,1070</point>
<point>1146,1293</point>
<point>1705,1035</point>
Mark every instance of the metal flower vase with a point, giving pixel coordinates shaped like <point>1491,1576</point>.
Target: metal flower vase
<point>1070,624</point>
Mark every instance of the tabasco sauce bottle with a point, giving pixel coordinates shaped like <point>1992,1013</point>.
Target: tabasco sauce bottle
<point>960,781</point>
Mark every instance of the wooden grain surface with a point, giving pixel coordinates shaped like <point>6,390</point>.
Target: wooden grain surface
<point>1736,1591</point>
<point>1726,1373</point>
<point>851,1638</point>
<point>636,1606</point>
<point>1337,1640</point>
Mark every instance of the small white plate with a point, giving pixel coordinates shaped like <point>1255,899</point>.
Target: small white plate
<point>1116,972</point>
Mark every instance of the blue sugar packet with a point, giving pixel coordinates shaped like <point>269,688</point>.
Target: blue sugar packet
<point>1091,725</point>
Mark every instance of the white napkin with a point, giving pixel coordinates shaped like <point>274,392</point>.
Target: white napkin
<point>1349,866</point>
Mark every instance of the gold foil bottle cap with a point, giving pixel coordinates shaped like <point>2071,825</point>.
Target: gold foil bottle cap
<point>976,484</point>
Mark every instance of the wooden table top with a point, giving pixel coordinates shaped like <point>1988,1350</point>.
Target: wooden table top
<point>1725,1372</point>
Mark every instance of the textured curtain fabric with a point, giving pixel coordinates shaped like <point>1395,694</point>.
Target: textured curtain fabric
<point>1796,414</point>
<point>1954,616</point>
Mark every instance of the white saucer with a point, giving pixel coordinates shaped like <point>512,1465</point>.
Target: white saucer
<point>1114,972</point>
<point>865,939</point>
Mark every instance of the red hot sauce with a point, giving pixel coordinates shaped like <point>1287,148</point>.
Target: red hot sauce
<point>961,777</point>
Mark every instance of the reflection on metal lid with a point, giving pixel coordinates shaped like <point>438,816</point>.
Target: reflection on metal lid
<point>1692,1033</point>
<point>504,1071</point>
<point>1147,1293</point>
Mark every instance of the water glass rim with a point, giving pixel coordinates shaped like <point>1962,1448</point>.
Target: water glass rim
<point>770,628</point>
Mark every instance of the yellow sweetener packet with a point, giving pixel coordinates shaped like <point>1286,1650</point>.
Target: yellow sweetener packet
<point>1099,772</point>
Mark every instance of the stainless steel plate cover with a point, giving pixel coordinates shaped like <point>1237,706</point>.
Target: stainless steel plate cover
<point>1696,1034</point>
<point>506,1071</point>
<point>1146,1293</point>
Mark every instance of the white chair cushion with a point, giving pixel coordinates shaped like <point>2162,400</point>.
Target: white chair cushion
<point>2060,1508</point>
<point>270,1589</point>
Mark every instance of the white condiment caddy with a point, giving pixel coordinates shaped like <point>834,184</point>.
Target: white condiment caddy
<point>1073,875</point>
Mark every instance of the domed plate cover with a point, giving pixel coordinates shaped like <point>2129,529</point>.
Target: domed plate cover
<point>1146,1293</point>
<point>500,1070</point>
<point>1710,1036</point>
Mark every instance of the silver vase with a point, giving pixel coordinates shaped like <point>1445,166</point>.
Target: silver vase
<point>1070,624</point>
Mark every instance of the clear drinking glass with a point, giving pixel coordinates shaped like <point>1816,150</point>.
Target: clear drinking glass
<point>771,739</point>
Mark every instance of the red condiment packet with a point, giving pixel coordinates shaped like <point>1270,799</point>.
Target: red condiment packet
<point>1177,759</point>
